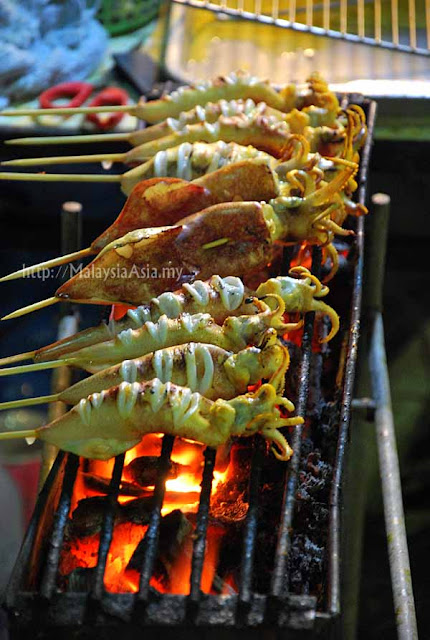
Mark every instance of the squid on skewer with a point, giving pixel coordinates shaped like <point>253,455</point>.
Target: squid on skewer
<point>260,132</point>
<point>210,370</point>
<point>297,121</point>
<point>219,297</point>
<point>231,87</point>
<point>191,160</point>
<point>235,334</point>
<point>164,201</point>
<point>229,238</point>
<point>187,161</point>
<point>113,421</point>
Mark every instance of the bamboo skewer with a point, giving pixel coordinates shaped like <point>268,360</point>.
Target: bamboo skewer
<point>36,366</point>
<point>67,111</point>
<point>29,402</point>
<point>55,262</point>
<point>60,177</point>
<point>13,435</point>
<point>81,139</point>
<point>49,160</point>
<point>30,308</point>
<point>28,355</point>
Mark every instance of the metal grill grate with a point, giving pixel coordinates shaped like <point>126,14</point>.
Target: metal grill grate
<point>40,598</point>
<point>402,25</point>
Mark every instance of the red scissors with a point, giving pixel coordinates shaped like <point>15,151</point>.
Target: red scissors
<point>79,92</point>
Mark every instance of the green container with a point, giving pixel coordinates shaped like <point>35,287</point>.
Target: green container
<point>122,16</point>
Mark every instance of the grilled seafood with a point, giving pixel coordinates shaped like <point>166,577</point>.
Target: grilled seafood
<point>228,238</point>
<point>220,297</point>
<point>113,421</point>
<point>231,87</point>
<point>210,370</point>
<point>235,334</point>
<point>167,200</point>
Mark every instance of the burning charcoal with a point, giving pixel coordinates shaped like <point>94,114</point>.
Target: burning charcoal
<point>98,483</point>
<point>80,579</point>
<point>230,502</point>
<point>87,518</point>
<point>232,509</point>
<point>136,511</point>
<point>175,528</point>
<point>144,470</point>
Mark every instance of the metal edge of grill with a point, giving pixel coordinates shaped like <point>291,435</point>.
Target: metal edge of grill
<point>279,609</point>
<point>274,18</point>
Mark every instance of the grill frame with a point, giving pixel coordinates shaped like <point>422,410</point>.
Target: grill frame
<point>272,18</point>
<point>52,609</point>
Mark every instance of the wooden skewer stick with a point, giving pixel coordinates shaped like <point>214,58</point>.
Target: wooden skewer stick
<point>67,111</point>
<point>60,177</point>
<point>13,435</point>
<point>31,307</point>
<point>127,180</point>
<point>98,157</point>
<point>36,366</point>
<point>28,355</point>
<point>29,402</point>
<point>83,139</point>
<point>48,264</point>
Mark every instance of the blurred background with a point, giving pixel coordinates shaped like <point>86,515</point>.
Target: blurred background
<point>379,48</point>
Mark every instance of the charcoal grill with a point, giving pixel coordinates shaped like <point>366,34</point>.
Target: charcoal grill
<point>34,600</point>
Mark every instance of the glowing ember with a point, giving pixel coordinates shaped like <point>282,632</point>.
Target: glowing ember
<point>182,494</point>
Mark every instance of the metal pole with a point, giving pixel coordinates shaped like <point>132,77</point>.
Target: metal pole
<point>391,488</point>
<point>385,432</point>
<point>71,240</point>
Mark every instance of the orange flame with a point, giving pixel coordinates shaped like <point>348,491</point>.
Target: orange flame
<point>181,492</point>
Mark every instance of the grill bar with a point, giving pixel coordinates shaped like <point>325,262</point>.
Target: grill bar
<point>152,532</point>
<point>279,586</point>
<point>250,533</point>
<point>202,526</point>
<point>107,529</point>
<point>348,382</point>
<point>48,584</point>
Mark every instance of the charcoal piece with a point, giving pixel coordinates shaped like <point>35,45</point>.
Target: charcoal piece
<point>306,563</point>
<point>174,530</point>
<point>80,579</point>
<point>98,483</point>
<point>87,518</point>
<point>136,511</point>
<point>232,509</point>
<point>229,558</point>
<point>144,470</point>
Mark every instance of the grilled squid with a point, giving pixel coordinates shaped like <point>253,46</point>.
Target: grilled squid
<point>113,421</point>
<point>234,334</point>
<point>228,238</point>
<point>234,86</point>
<point>219,297</point>
<point>211,371</point>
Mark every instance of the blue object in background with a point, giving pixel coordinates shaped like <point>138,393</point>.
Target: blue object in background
<point>43,43</point>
